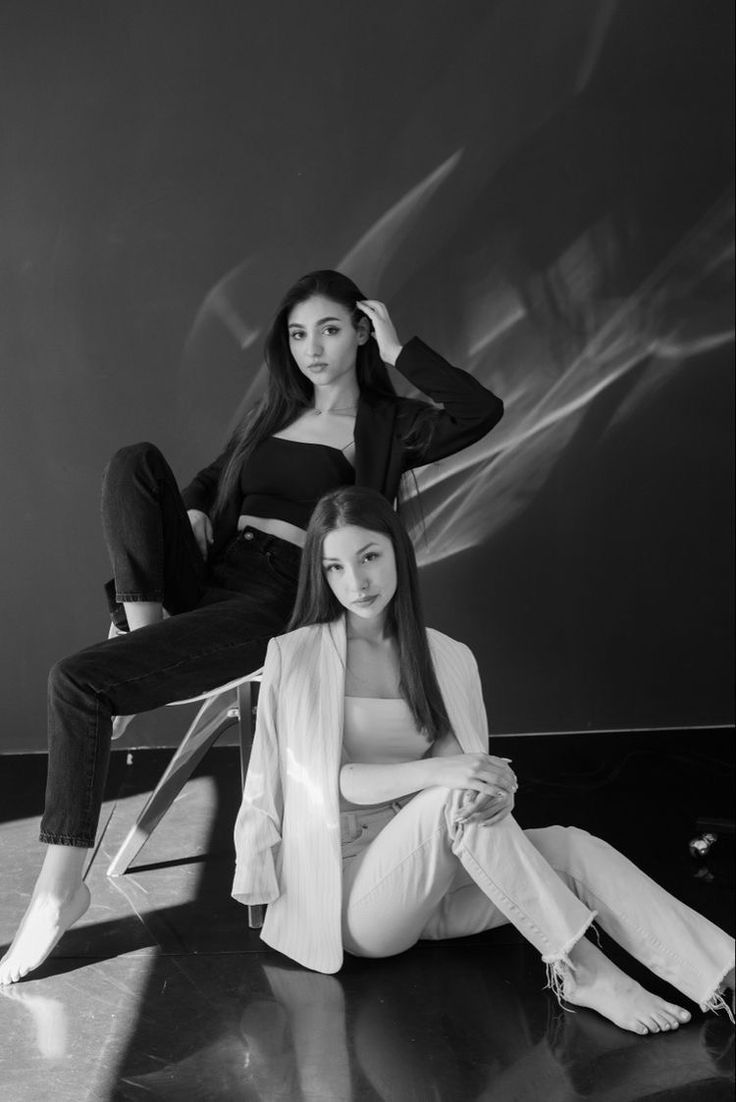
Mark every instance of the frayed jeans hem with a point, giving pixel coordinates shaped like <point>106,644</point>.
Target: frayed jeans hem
<point>716,1001</point>
<point>558,964</point>
<point>65,840</point>
<point>136,598</point>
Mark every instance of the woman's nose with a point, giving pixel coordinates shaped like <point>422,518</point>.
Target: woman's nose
<point>355,581</point>
<point>315,345</point>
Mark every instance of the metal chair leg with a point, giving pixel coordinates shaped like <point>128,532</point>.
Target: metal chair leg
<point>213,717</point>
<point>247,698</point>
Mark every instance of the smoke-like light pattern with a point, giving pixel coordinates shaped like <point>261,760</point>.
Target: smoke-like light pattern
<point>547,379</point>
<point>681,311</point>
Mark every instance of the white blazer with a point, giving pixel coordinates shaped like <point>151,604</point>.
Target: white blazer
<point>287,834</point>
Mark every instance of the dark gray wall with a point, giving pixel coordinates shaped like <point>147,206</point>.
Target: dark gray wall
<point>541,190</point>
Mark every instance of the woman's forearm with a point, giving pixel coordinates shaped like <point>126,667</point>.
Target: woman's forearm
<point>468,409</point>
<point>200,493</point>
<point>476,772</point>
<point>377,784</point>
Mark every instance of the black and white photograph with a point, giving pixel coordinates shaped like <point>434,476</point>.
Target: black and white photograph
<point>367,486</point>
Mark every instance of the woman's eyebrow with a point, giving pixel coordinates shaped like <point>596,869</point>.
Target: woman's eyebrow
<point>298,324</point>
<point>325,559</point>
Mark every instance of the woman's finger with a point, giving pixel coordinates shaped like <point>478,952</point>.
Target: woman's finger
<point>503,780</point>
<point>373,306</point>
<point>492,777</point>
<point>494,790</point>
<point>499,815</point>
<point>496,818</point>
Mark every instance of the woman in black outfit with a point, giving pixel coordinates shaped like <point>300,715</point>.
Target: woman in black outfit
<point>221,558</point>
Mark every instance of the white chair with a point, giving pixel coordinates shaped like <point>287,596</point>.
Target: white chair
<point>231,703</point>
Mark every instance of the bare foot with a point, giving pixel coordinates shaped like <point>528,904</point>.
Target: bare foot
<point>598,984</point>
<point>43,924</point>
<point>119,724</point>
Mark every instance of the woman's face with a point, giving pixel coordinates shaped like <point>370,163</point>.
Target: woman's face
<point>323,340</point>
<point>360,567</point>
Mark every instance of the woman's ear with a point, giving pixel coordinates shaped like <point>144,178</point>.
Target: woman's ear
<point>364,330</point>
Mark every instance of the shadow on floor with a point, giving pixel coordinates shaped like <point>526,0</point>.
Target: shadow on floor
<point>163,992</point>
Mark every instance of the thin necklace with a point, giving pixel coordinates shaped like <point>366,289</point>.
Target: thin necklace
<point>337,409</point>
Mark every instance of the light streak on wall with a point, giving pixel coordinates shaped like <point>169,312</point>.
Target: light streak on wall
<point>549,369</point>
<point>681,310</point>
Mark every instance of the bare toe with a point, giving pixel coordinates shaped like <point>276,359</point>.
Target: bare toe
<point>42,927</point>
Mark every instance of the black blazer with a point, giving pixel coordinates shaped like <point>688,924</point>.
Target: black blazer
<point>382,425</point>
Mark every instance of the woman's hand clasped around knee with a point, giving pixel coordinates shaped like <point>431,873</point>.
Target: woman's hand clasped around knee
<point>487,810</point>
<point>202,528</point>
<point>482,773</point>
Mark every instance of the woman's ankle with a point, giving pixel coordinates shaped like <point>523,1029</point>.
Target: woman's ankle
<point>586,960</point>
<point>141,614</point>
<point>62,871</point>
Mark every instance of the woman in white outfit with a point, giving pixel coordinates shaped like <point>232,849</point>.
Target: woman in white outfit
<point>374,816</point>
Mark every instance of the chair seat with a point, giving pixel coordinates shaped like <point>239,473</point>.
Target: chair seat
<point>257,675</point>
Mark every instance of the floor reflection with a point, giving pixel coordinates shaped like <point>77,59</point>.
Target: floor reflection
<point>446,1024</point>
<point>165,994</point>
<point>47,1022</point>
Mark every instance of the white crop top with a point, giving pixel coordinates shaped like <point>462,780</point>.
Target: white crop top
<point>379,731</point>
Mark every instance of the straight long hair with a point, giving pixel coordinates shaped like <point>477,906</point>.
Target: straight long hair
<point>288,391</point>
<point>317,604</point>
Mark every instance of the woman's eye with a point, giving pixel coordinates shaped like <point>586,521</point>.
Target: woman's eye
<point>370,556</point>
<point>331,566</point>
<point>330,330</point>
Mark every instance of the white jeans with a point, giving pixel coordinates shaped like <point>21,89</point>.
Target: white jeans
<point>411,872</point>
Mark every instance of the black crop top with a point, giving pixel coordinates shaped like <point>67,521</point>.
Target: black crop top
<point>285,479</point>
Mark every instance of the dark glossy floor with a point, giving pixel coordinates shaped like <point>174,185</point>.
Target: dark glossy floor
<point>163,992</point>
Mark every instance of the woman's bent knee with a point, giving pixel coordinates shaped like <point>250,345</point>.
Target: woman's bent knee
<point>442,799</point>
<point>61,676</point>
<point>71,676</point>
<point>132,456</point>
<point>563,845</point>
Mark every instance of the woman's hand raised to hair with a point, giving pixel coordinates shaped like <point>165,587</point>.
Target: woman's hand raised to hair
<point>483,773</point>
<point>202,528</point>
<point>384,330</point>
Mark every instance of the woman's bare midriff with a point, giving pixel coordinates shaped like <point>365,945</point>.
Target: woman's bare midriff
<point>279,528</point>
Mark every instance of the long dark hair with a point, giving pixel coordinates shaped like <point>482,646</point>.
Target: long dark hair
<point>317,604</point>
<point>288,392</point>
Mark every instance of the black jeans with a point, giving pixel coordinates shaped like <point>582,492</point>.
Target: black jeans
<point>223,614</point>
